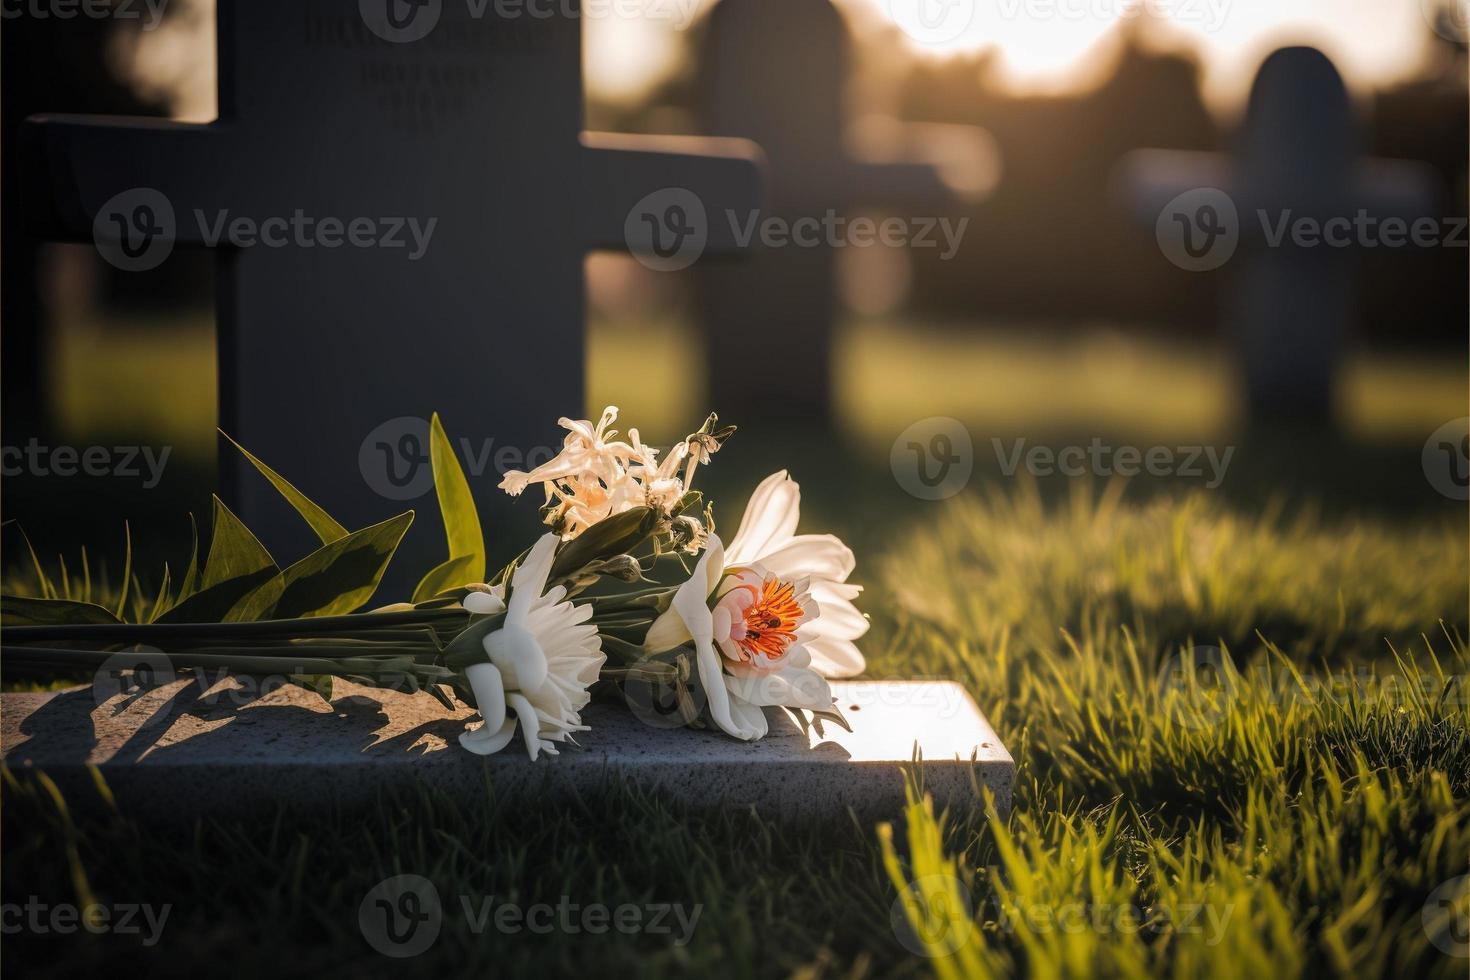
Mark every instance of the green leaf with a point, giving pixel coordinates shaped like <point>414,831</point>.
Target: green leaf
<point>127,578</point>
<point>258,602</point>
<point>611,536</point>
<point>453,574</point>
<point>42,581</point>
<point>213,604</point>
<point>321,522</point>
<point>334,580</point>
<point>25,611</point>
<point>160,603</point>
<point>233,551</point>
<point>468,647</point>
<point>456,504</point>
<point>190,584</point>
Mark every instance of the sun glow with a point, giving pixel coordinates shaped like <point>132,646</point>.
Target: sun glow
<point>1049,44</point>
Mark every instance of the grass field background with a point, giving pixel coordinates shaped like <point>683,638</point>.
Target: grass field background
<point>1296,806</point>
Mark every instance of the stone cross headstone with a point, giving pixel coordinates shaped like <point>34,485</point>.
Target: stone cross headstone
<point>1288,305</point>
<point>401,197</point>
<point>776,71</point>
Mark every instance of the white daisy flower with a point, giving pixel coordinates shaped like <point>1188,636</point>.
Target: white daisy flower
<point>542,661</point>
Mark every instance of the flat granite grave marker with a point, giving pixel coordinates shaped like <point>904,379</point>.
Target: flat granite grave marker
<point>1288,308</point>
<point>172,753</point>
<point>342,324</point>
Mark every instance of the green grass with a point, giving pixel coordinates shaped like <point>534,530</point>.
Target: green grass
<point>1290,822</point>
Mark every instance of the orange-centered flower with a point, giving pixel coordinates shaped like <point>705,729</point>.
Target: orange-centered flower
<point>756,618</point>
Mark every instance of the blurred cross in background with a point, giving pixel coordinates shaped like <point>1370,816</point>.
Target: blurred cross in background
<point>1289,306</point>
<point>778,72</point>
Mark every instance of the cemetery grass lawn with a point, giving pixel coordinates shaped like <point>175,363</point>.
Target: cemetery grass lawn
<point>1294,825</point>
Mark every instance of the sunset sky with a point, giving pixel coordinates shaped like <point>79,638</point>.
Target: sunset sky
<point>1047,44</point>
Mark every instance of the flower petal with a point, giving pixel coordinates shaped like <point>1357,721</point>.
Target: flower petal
<point>838,618</point>
<point>791,687</point>
<point>529,580</point>
<point>820,556</point>
<point>530,724</point>
<point>483,604</point>
<point>486,740</point>
<point>489,691</point>
<point>835,657</point>
<point>770,519</point>
<point>751,718</point>
<point>667,632</point>
<point>731,720</point>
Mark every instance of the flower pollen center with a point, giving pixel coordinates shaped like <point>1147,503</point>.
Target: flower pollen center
<point>771,620</point>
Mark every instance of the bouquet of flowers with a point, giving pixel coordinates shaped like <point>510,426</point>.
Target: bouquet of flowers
<point>631,592</point>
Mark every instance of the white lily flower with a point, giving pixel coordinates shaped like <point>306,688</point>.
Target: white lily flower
<point>767,538</point>
<point>735,699</point>
<point>769,617</point>
<point>542,661</point>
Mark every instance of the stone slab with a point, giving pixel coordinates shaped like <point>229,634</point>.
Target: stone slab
<point>176,751</point>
